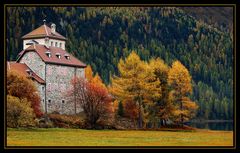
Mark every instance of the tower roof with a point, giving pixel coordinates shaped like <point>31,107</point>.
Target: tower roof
<point>42,32</point>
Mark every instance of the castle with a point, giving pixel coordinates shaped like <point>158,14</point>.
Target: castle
<point>45,60</point>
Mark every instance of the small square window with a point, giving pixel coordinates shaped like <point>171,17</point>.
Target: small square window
<point>63,101</point>
<point>49,101</point>
<point>42,88</point>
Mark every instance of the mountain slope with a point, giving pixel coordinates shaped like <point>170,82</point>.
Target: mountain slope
<point>100,36</point>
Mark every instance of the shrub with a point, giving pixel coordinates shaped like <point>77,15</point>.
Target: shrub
<point>20,86</point>
<point>19,112</point>
<point>67,121</point>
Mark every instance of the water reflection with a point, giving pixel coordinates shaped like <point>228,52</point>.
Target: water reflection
<point>226,126</point>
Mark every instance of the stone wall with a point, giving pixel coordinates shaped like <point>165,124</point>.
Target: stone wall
<point>58,84</point>
<point>41,92</point>
<point>34,62</point>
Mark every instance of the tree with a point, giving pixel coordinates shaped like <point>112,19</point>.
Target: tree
<point>93,98</point>
<point>19,112</point>
<point>163,106</point>
<point>120,109</point>
<point>135,85</point>
<point>88,73</point>
<point>97,80</point>
<point>20,86</point>
<point>179,81</point>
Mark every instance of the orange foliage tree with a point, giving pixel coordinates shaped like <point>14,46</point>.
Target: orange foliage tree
<point>20,86</point>
<point>88,73</point>
<point>93,98</point>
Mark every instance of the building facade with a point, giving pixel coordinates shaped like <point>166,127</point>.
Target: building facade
<point>45,55</point>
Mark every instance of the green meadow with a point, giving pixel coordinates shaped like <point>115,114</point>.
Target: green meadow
<point>82,137</point>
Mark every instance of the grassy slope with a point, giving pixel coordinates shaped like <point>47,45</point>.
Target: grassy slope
<point>79,137</point>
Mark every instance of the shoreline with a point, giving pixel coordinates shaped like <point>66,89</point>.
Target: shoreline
<point>210,121</point>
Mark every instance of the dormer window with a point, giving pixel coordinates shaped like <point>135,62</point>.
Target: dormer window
<point>58,55</point>
<point>67,56</point>
<point>48,53</point>
<point>29,72</point>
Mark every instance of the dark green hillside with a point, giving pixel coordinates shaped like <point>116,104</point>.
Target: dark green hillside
<point>101,36</point>
<point>220,17</point>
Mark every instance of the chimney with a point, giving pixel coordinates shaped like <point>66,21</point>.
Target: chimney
<point>53,28</point>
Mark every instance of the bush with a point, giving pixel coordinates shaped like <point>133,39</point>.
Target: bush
<point>67,121</point>
<point>19,112</point>
<point>20,86</point>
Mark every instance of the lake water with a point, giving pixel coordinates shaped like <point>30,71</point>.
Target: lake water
<point>225,126</point>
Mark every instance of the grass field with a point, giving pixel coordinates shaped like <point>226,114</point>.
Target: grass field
<point>80,137</point>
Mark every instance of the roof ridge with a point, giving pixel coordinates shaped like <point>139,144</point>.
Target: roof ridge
<point>46,29</point>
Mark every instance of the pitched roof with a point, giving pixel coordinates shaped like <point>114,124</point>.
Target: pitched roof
<point>43,31</point>
<point>42,49</point>
<point>23,68</point>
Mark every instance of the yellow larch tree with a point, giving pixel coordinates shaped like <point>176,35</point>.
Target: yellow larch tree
<point>163,107</point>
<point>180,84</point>
<point>135,84</point>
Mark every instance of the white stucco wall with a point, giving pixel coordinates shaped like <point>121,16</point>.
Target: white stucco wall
<point>43,42</point>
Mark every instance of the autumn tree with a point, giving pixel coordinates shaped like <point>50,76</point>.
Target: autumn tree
<point>93,98</point>
<point>120,109</point>
<point>163,107</point>
<point>97,80</point>
<point>135,86</point>
<point>88,73</point>
<point>19,112</point>
<point>20,86</point>
<point>179,81</point>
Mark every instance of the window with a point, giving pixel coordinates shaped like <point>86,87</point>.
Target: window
<point>58,55</point>
<point>67,56</point>
<point>48,53</point>
<point>55,44</point>
<point>42,88</point>
<point>60,45</point>
<point>29,72</point>
<point>51,43</point>
<point>49,101</point>
<point>63,101</point>
<point>43,100</point>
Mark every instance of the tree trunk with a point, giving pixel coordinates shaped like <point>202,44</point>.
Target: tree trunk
<point>181,107</point>
<point>139,115</point>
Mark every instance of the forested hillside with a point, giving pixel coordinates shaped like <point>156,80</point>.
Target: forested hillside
<point>100,36</point>
<point>219,17</point>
